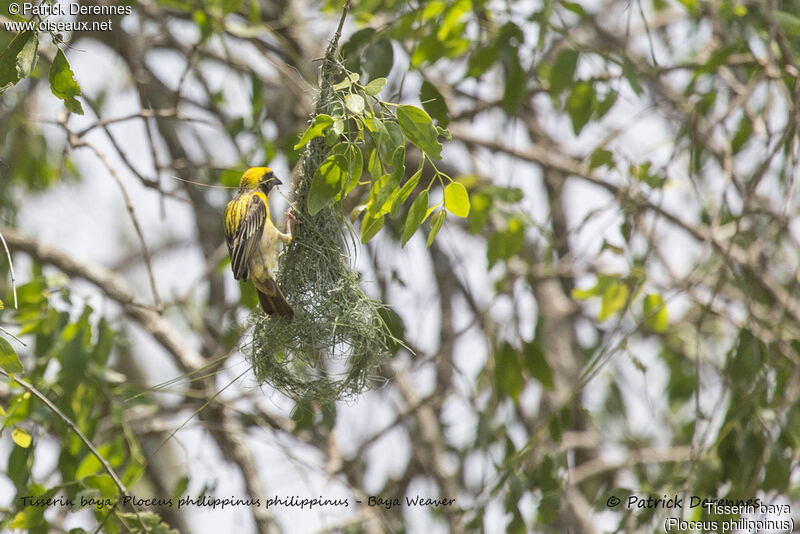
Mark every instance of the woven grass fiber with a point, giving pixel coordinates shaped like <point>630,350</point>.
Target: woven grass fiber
<point>332,348</point>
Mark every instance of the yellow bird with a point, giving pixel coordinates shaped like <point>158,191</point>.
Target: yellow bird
<point>254,242</point>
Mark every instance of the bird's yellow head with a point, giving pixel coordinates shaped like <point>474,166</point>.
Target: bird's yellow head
<point>258,178</point>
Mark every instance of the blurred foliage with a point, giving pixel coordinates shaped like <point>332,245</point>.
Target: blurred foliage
<point>68,360</point>
<point>724,328</point>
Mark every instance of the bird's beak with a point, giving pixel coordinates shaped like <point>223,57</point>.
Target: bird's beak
<point>271,182</point>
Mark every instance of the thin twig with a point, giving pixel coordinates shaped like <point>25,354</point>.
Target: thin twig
<point>11,271</point>
<point>71,424</point>
<point>9,334</point>
<point>116,288</point>
<point>145,114</point>
<point>338,33</point>
<point>132,215</point>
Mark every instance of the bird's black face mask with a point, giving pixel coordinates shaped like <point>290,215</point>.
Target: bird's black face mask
<point>268,181</point>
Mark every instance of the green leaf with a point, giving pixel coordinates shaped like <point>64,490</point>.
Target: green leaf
<point>30,517</point>
<point>338,126</point>
<point>629,71</point>
<point>605,105</point>
<point>514,91</point>
<point>9,361</point>
<point>503,245</point>
<point>303,415</point>
<point>433,102</point>
<point>152,523</point>
<point>392,184</point>
<point>230,178</point>
<point>418,128</point>
<point>103,483</point>
<point>88,466</point>
<point>436,224</point>
<point>134,469</point>
<point>428,50</point>
<point>745,359</point>
<point>355,163</point>
<point>356,41</point>
<point>536,363</point>
<point>549,507</point>
<point>452,17</point>
<point>20,461</point>
<point>614,298</point>
<point>575,8</point>
<point>789,23</point>
<point>378,59</point>
<point>257,107</point>
<point>777,472</point>
<point>508,372</point>
<point>355,103</point>
<point>433,8</point>
<point>26,59</point>
<point>318,126</point>
<point>405,191</point>
<point>456,199</point>
<point>374,87</point>
<point>370,225</point>
<point>563,70</point>
<point>409,186</point>
<point>32,294</point>
<point>510,195</point>
<point>580,104</point>
<point>744,130</point>
<point>180,487</point>
<point>377,130</point>
<point>205,24</point>
<point>349,79</point>
<point>601,157</point>
<point>482,60</point>
<point>393,138</point>
<point>479,212</point>
<point>15,56</point>
<point>327,182</point>
<point>416,214</point>
<point>375,165</point>
<point>603,282</point>
<point>21,437</point>
<point>235,126</point>
<point>643,174</point>
<point>63,84</point>
<point>105,342</point>
<point>655,313</point>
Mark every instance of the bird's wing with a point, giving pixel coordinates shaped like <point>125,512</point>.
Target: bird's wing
<point>244,240</point>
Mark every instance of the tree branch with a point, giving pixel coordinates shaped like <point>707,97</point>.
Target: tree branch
<point>116,288</point>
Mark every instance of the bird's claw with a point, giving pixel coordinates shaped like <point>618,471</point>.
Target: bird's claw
<point>291,216</point>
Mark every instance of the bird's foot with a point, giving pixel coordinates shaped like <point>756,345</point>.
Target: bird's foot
<point>291,216</point>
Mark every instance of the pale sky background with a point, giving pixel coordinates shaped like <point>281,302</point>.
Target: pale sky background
<point>88,220</point>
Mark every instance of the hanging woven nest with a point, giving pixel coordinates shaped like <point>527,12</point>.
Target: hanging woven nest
<point>338,338</point>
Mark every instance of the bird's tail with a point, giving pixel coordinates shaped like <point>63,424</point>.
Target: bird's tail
<point>276,302</point>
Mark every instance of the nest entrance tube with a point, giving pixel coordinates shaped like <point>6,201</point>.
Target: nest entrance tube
<point>332,348</point>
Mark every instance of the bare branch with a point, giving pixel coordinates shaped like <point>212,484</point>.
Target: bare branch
<point>11,270</point>
<point>71,424</point>
<point>116,288</point>
<point>131,214</point>
<point>598,466</point>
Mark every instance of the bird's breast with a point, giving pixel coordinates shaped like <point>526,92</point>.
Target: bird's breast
<point>265,256</point>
